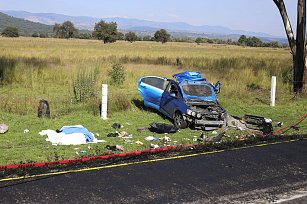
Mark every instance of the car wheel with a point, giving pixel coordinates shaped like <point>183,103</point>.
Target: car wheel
<point>179,121</point>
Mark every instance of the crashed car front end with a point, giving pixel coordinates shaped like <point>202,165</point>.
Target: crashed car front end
<point>206,115</point>
<point>204,112</point>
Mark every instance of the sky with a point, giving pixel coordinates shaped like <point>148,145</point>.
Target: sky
<point>250,15</point>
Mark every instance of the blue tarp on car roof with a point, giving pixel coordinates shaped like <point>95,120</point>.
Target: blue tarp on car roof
<point>193,76</point>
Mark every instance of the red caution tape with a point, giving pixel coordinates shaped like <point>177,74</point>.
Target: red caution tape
<point>291,125</point>
<point>85,159</point>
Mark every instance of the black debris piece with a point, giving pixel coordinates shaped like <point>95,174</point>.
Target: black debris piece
<point>258,123</point>
<point>116,126</point>
<point>162,128</point>
<point>113,134</point>
<point>113,148</point>
<point>279,124</point>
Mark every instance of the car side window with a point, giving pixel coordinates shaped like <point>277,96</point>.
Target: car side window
<point>155,82</point>
<point>173,90</point>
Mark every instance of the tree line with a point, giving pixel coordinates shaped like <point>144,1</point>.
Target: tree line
<point>108,33</point>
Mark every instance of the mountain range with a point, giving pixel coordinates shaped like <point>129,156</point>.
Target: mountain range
<point>25,27</point>
<point>143,26</point>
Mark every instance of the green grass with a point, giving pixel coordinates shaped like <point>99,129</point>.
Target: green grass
<point>32,69</point>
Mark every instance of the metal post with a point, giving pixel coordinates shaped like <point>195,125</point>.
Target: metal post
<point>104,101</point>
<point>273,90</point>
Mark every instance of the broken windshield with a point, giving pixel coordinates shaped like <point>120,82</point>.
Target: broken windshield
<point>197,90</point>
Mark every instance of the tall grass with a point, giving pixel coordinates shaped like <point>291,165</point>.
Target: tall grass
<point>32,69</point>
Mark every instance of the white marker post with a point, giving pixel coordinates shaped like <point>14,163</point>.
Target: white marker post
<point>273,90</point>
<point>104,101</point>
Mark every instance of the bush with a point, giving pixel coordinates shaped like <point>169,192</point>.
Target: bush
<point>10,32</point>
<point>117,74</point>
<point>35,35</point>
<point>84,86</point>
<point>42,35</point>
<point>131,37</point>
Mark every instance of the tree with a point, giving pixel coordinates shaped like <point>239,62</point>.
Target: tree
<point>199,40</point>
<point>106,31</point>
<point>162,36</point>
<point>65,30</point>
<point>254,42</point>
<point>242,40</point>
<point>131,37</point>
<point>298,45</point>
<point>10,32</point>
<point>120,36</point>
<point>69,28</point>
<point>147,38</point>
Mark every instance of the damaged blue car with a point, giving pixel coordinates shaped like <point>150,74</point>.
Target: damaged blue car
<point>188,99</point>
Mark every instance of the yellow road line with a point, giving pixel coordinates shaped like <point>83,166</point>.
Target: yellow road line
<point>141,162</point>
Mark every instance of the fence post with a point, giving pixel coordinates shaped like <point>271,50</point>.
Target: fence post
<point>273,90</point>
<point>104,101</point>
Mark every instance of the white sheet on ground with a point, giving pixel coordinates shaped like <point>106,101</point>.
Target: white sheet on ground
<point>66,139</point>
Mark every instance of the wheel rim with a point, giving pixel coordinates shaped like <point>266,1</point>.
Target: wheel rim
<point>178,119</point>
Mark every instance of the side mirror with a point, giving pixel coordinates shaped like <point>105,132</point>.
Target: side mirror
<point>173,94</point>
<point>217,87</point>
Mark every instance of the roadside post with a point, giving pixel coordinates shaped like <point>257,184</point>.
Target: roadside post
<point>104,101</point>
<point>273,90</point>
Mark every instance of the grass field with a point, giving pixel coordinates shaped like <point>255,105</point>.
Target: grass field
<point>32,69</point>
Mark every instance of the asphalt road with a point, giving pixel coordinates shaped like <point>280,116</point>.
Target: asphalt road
<point>259,174</point>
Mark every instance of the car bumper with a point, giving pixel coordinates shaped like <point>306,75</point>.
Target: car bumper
<point>209,125</point>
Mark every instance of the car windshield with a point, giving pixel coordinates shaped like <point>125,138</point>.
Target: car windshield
<point>197,90</point>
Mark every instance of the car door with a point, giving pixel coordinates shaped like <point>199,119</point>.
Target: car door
<point>172,100</point>
<point>151,89</point>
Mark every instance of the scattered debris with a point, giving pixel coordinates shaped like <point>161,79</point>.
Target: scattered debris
<point>151,138</point>
<point>141,129</point>
<point>26,131</point>
<point>123,134</point>
<point>117,126</point>
<point>128,141</point>
<point>126,137</point>
<point>295,128</point>
<point>3,128</point>
<point>279,124</point>
<point>119,147</point>
<point>113,134</point>
<point>162,128</point>
<point>154,146</point>
<point>139,143</point>
<point>217,138</point>
<point>166,139</point>
<point>115,147</point>
<point>99,141</point>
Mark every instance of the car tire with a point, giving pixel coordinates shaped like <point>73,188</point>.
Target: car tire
<point>179,122</point>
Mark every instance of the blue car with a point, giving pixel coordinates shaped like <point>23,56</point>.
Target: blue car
<point>188,99</point>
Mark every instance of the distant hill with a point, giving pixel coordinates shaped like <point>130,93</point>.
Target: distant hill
<point>25,27</point>
<point>143,26</point>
